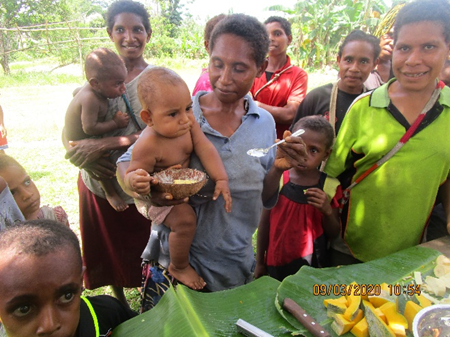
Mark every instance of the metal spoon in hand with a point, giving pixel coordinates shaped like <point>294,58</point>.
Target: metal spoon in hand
<point>263,152</point>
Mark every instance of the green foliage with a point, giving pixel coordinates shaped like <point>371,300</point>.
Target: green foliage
<point>190,41</point>
<point>31,28</point>
<point>319,26</point>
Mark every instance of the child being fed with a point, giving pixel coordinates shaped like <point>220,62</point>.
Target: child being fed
<point>170,137</point>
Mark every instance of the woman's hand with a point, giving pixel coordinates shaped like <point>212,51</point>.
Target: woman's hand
<point>100,169</point>
<point>291,153</point>
<point>85,151</point>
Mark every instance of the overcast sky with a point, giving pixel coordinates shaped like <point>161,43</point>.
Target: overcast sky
<point>202,9</point>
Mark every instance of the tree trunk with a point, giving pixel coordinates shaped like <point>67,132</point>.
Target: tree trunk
<point>4,57</point>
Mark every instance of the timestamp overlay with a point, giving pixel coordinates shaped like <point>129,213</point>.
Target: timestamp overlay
<point>355,289</point>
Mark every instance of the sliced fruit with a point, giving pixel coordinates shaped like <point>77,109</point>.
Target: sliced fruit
<point>354,302</point>
<point>341,325</point>
<point>361,329</point>
<point>411,310</point>
<point>375,324</point>
<point>435,286</point>
<point>423,301</point>
<point>396,321</point>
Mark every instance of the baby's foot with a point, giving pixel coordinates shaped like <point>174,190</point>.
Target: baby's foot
<point>188,276</point>
<point>117,203</point>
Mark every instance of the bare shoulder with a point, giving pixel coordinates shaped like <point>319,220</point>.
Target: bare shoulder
<point>147,141</point>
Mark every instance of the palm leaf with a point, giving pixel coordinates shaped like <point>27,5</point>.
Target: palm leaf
<point>184,312</point>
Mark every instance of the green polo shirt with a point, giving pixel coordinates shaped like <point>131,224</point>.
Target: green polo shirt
<point>388,210</point>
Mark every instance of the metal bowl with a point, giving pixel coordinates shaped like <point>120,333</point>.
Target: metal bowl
<point>171,181</point>
<point>432,321</point>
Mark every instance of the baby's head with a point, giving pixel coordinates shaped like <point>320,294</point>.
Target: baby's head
<point>209,28</point>
<point>105,72</point>
<point>166,101</point>
<point>40,279</point>
<point>23,189</point>
<point>318,137</point>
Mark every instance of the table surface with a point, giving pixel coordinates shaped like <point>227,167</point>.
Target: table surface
<point>441,245</point>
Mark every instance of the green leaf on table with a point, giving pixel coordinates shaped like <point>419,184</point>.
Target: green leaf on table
<point>185,312</point>
<point>390,269</point>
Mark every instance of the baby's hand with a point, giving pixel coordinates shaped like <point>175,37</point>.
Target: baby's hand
<point>121,119</point>
<point>222,188</point>
<point>318,198</point>
<point>139,181</point>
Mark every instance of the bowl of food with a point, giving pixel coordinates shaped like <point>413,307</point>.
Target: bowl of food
<point>432,321</point>
<point>181,183</point>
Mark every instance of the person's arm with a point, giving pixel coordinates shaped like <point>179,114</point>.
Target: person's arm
<point>2,184</point>
<point>212,163</point>
<point>3,132</point>
<point>82,152</point>
<point>89,118</point>
<point>262,244</point>
<point>157,198</point>
<point>87,153</point>
<point>137,178</point>
<point>281,115</point>
<point>286,114</point>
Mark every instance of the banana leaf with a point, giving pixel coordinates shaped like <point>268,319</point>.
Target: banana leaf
<point>184,312</point>
<point>392,269</point>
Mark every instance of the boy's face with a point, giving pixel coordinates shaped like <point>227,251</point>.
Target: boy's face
<point>40,295</point>
<point>419,55</point>
<point>171,113</point>
<point>23,189</point>
<point>114,86</point>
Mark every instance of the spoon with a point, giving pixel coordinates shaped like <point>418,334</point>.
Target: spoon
<point>263,152</point>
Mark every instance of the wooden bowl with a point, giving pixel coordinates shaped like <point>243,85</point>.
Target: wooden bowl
<point>181,183</point>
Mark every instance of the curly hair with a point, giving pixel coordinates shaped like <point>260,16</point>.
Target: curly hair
<point>127,6</point>
<point>359,35</point>
<point>247,28</point>
<point>318,124</point>
<point>285,24</point>
<point>424,10</point>
<point>39,238</point>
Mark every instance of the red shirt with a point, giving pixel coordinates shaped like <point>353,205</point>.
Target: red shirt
<point>291,85</point>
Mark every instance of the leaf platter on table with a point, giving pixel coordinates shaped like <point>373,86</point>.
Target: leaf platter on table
<point>184,312</point>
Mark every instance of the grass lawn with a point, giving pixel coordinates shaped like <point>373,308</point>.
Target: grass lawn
<point>34,101</point>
